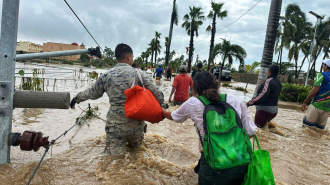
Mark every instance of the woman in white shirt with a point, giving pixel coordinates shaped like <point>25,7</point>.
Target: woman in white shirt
<point>205,84</point>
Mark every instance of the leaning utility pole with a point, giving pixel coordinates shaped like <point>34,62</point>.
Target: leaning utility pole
<point>267,56</point>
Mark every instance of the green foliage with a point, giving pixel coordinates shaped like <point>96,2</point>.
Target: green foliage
<point>294,93</point>
<point>109,56</point>
<point>21,72</point>
<point>226,85</point>
<point>84,57</point>
<point>94,75</point>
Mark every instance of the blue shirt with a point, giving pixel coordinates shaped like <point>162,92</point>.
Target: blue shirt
<point>159,71</point>
<point>322,98</point>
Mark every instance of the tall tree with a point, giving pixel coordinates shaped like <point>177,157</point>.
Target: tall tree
<point>273,22</point>
<point>147,54</point>
<point>192,22</point>
<point>174,20</point>
<point>157,45</point>
<point>298,29</point>
<point>152,47</point>
<point>229,51</point>
<point>216,12</point>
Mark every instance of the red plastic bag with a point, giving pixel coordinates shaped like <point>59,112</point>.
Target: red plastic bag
<point>141,104</point>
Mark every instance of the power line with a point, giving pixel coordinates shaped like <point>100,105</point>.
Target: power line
<point>83,25</point>
<point>232,22</point>
<point>240,16</point>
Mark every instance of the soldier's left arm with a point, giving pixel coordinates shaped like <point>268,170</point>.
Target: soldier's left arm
<point>150,85</point>
<point>93,93</point>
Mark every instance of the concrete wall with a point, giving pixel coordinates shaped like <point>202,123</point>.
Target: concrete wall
<point>51,46</point>
<point>253,78</point>
<point>302,82</point>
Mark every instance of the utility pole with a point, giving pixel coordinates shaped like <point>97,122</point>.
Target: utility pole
<point>319,18</point>
<point>9,24</point>
<point>22,99</point>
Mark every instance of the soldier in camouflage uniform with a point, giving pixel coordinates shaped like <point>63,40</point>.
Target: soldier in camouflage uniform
<point>119,128</point>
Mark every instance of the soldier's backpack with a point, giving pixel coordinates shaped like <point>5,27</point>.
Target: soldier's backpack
<point>225,143</point>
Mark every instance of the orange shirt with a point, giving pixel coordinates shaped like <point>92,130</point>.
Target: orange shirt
<point>182,83</point>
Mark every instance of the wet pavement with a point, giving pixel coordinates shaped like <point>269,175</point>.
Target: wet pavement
<point>169,152</point>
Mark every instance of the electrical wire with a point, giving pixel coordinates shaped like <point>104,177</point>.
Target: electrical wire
<point>83,25</point>
<point>240,16</point>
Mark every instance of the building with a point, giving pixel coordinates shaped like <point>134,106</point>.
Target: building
<point>28,47</point>
<point>51,46</point>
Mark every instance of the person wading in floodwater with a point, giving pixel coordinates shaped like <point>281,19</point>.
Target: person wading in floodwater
<point>318,112</point>
<point>180,87</point>
<point>267,98</point>
<point>120,129</point>
<point>206,90</point>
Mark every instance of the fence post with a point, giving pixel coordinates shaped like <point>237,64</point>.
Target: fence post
<point>9,24</point>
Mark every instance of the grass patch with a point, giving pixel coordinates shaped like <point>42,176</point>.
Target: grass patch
<point>240,89</point>
<point>226,85</point>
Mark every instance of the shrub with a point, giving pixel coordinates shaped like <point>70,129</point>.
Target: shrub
<point>294,93</point>
<point>226,85</point>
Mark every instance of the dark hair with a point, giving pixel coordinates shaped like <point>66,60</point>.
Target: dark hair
<point>199,65</point>
<point>122,50</point>
<point>274,69</point>
<point>205,84</point>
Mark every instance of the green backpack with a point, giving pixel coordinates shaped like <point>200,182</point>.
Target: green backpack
<point>225,144</point>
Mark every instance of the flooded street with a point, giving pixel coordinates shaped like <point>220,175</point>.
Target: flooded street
<point>170,150</point>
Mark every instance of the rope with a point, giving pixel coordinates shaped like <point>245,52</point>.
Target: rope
<point>83,25</point>
<point>51,144</point>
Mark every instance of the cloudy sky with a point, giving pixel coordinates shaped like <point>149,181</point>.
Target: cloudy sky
<point>134,22</point>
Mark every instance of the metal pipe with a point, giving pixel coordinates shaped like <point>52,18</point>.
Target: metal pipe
<point>30,56</point>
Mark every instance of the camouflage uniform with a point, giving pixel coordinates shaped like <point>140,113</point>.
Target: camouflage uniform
<point>119,128</point>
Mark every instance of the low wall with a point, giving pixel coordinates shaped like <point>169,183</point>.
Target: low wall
<point>253,78</point>
<point>302,82</point>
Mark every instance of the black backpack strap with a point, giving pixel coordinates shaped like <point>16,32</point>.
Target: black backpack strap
<point>200,136</point>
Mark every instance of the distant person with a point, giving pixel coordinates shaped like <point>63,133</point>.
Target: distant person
<point>180,86</point>
<point>120,129</point>
<point>199,69</point>
<point>207,90</point>
<point>169,73</point>
<point>318,111</point>
<point>134,65</point>
<point>159,71</point>
<point>267,98</point>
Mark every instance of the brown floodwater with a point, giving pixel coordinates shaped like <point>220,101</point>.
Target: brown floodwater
<point>169,152</point>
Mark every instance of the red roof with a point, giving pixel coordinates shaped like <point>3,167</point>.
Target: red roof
<point>75,44</point>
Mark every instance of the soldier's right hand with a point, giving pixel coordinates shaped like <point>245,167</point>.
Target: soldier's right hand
<point>73,103</point>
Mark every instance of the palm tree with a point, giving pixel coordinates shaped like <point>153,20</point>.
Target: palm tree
<point>166,42</point>
<point>297,28</point>
<point>216,12</point>
<point>152,47</point>
<point>321,41</point>
<point>147,54</point>
<point>228,52</point>
<point>273,22</point>
<point>157,45</point>
<point>174,20</point>
<point>192,22</point>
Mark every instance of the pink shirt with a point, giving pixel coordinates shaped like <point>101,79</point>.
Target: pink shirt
<point>193,108</point>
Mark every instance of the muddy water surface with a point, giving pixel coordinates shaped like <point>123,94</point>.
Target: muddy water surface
<point>169,152</point>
